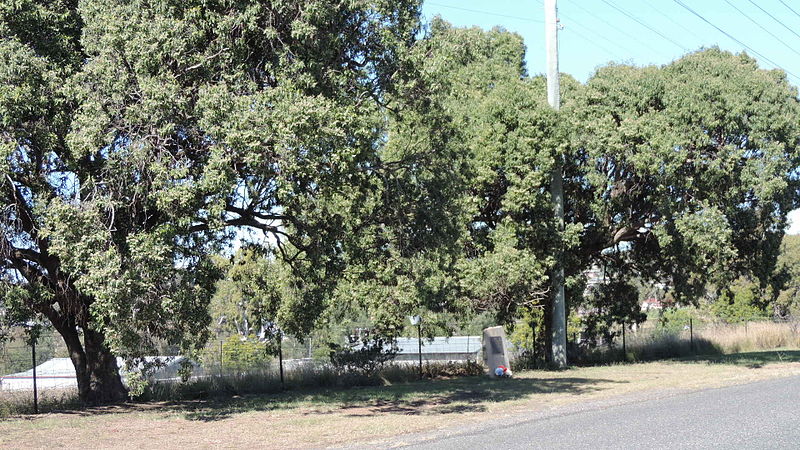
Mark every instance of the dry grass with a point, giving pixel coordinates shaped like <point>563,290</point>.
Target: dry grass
<point>21,402</point>
<point>313,418</point>
<point>651,344</point>
<point>752,336</point>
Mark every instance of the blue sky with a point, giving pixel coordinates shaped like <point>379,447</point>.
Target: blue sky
<point>641,32</point>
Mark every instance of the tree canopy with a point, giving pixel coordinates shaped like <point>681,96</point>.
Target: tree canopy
<point>680,175</point>
<point>138,137</point>
<point>376,164</point>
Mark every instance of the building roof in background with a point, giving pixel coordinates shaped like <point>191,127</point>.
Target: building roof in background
<point>455,344</point>
<point>62,367</point>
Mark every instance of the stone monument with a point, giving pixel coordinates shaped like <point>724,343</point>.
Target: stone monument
<point>495,350</point>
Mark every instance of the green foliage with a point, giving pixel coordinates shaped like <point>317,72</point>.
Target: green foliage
<point>364,357</point>
<point>691,166</point>
<point>506,134</point>
<point>673,321</point>
<point>741,302</point>
<point>374,170</point>
<point>140,137</point>
<point>610,306</point>
<point>255,295</point>
<point>786,285</point>
<point>242,353</point>
<point>681,174</point>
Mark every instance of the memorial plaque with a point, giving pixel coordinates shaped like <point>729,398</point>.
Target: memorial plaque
<point>495,353</point>
<point>496,344</point>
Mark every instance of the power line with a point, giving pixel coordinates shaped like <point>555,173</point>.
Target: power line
<point>763,28</point>
<point>633,38</point>
<point>590,40</point>
<point>790,8</point>
<point>683,5</point>
<point>599,35</point>
<point>575,22</point>
<point>488,13</point>
<point>644,25</point>
<point>650,4</point>
<point>774,18</point>
<point>523,19</point>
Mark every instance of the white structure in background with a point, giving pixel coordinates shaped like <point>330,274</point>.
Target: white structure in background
<point>595,275</point>
<point>456,348</point>
<point>59,373</point>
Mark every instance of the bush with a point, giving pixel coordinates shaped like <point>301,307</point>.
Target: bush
<point>451,369</point>
<point>240,353</point>
<point>364,358</point>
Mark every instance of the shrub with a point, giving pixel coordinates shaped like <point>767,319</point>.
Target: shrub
<point>241,353</point>
<point>363,358</point>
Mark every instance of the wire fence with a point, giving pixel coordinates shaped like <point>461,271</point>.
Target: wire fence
<point>32,372</point>
<point>235,353</point>
<point>654,340</point>
<point>44,371</point>
<point>35,371</point>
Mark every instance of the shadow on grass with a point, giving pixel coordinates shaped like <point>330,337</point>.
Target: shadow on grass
<point>753,360</point>
<point>448,396</point>
<point>453,396</point>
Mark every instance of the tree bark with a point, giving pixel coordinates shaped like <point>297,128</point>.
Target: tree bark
<point>96,369</point>
<point>547,331</point>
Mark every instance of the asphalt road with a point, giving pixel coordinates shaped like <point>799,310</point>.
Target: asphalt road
<point>752,416</point>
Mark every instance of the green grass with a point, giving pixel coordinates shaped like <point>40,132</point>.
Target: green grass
<point>457,395</point>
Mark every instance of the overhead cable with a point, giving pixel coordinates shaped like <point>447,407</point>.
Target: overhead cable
<point>644,25</point>
<point>774,18</point>
<point>763,28</point>
<point>633,38</point>
<point>790,8</point>
<point>683,5</point>
<point>488,13</point>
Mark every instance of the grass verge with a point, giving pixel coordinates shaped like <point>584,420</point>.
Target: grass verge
<point>337,416</point>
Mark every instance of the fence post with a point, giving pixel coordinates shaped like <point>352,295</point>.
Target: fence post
<point>280,356</point>
<point>35,392</point>
<point>691,335</point>
<point>220,358</point>
<point>624,345</point>
<point>533,334</point>
<point>419,343</point>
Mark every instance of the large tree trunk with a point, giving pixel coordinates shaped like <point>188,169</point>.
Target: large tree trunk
<point>96,368</point>
<point>547,321</point>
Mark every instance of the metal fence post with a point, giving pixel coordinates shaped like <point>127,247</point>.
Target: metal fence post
<point>280,356</point>
<point>419,344</point>
<point>220,358</point>
<point>35,392</point>
<point>691,335</point>
<point>533,336</point>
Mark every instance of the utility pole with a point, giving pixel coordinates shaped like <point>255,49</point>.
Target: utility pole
<point>559,331</point>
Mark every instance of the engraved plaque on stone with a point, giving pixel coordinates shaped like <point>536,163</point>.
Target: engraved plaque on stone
<point>495,353</point>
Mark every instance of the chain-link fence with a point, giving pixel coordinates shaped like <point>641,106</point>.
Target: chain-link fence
<point>35,372</point>
<point>226,354</point>
<point>31,373</point>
